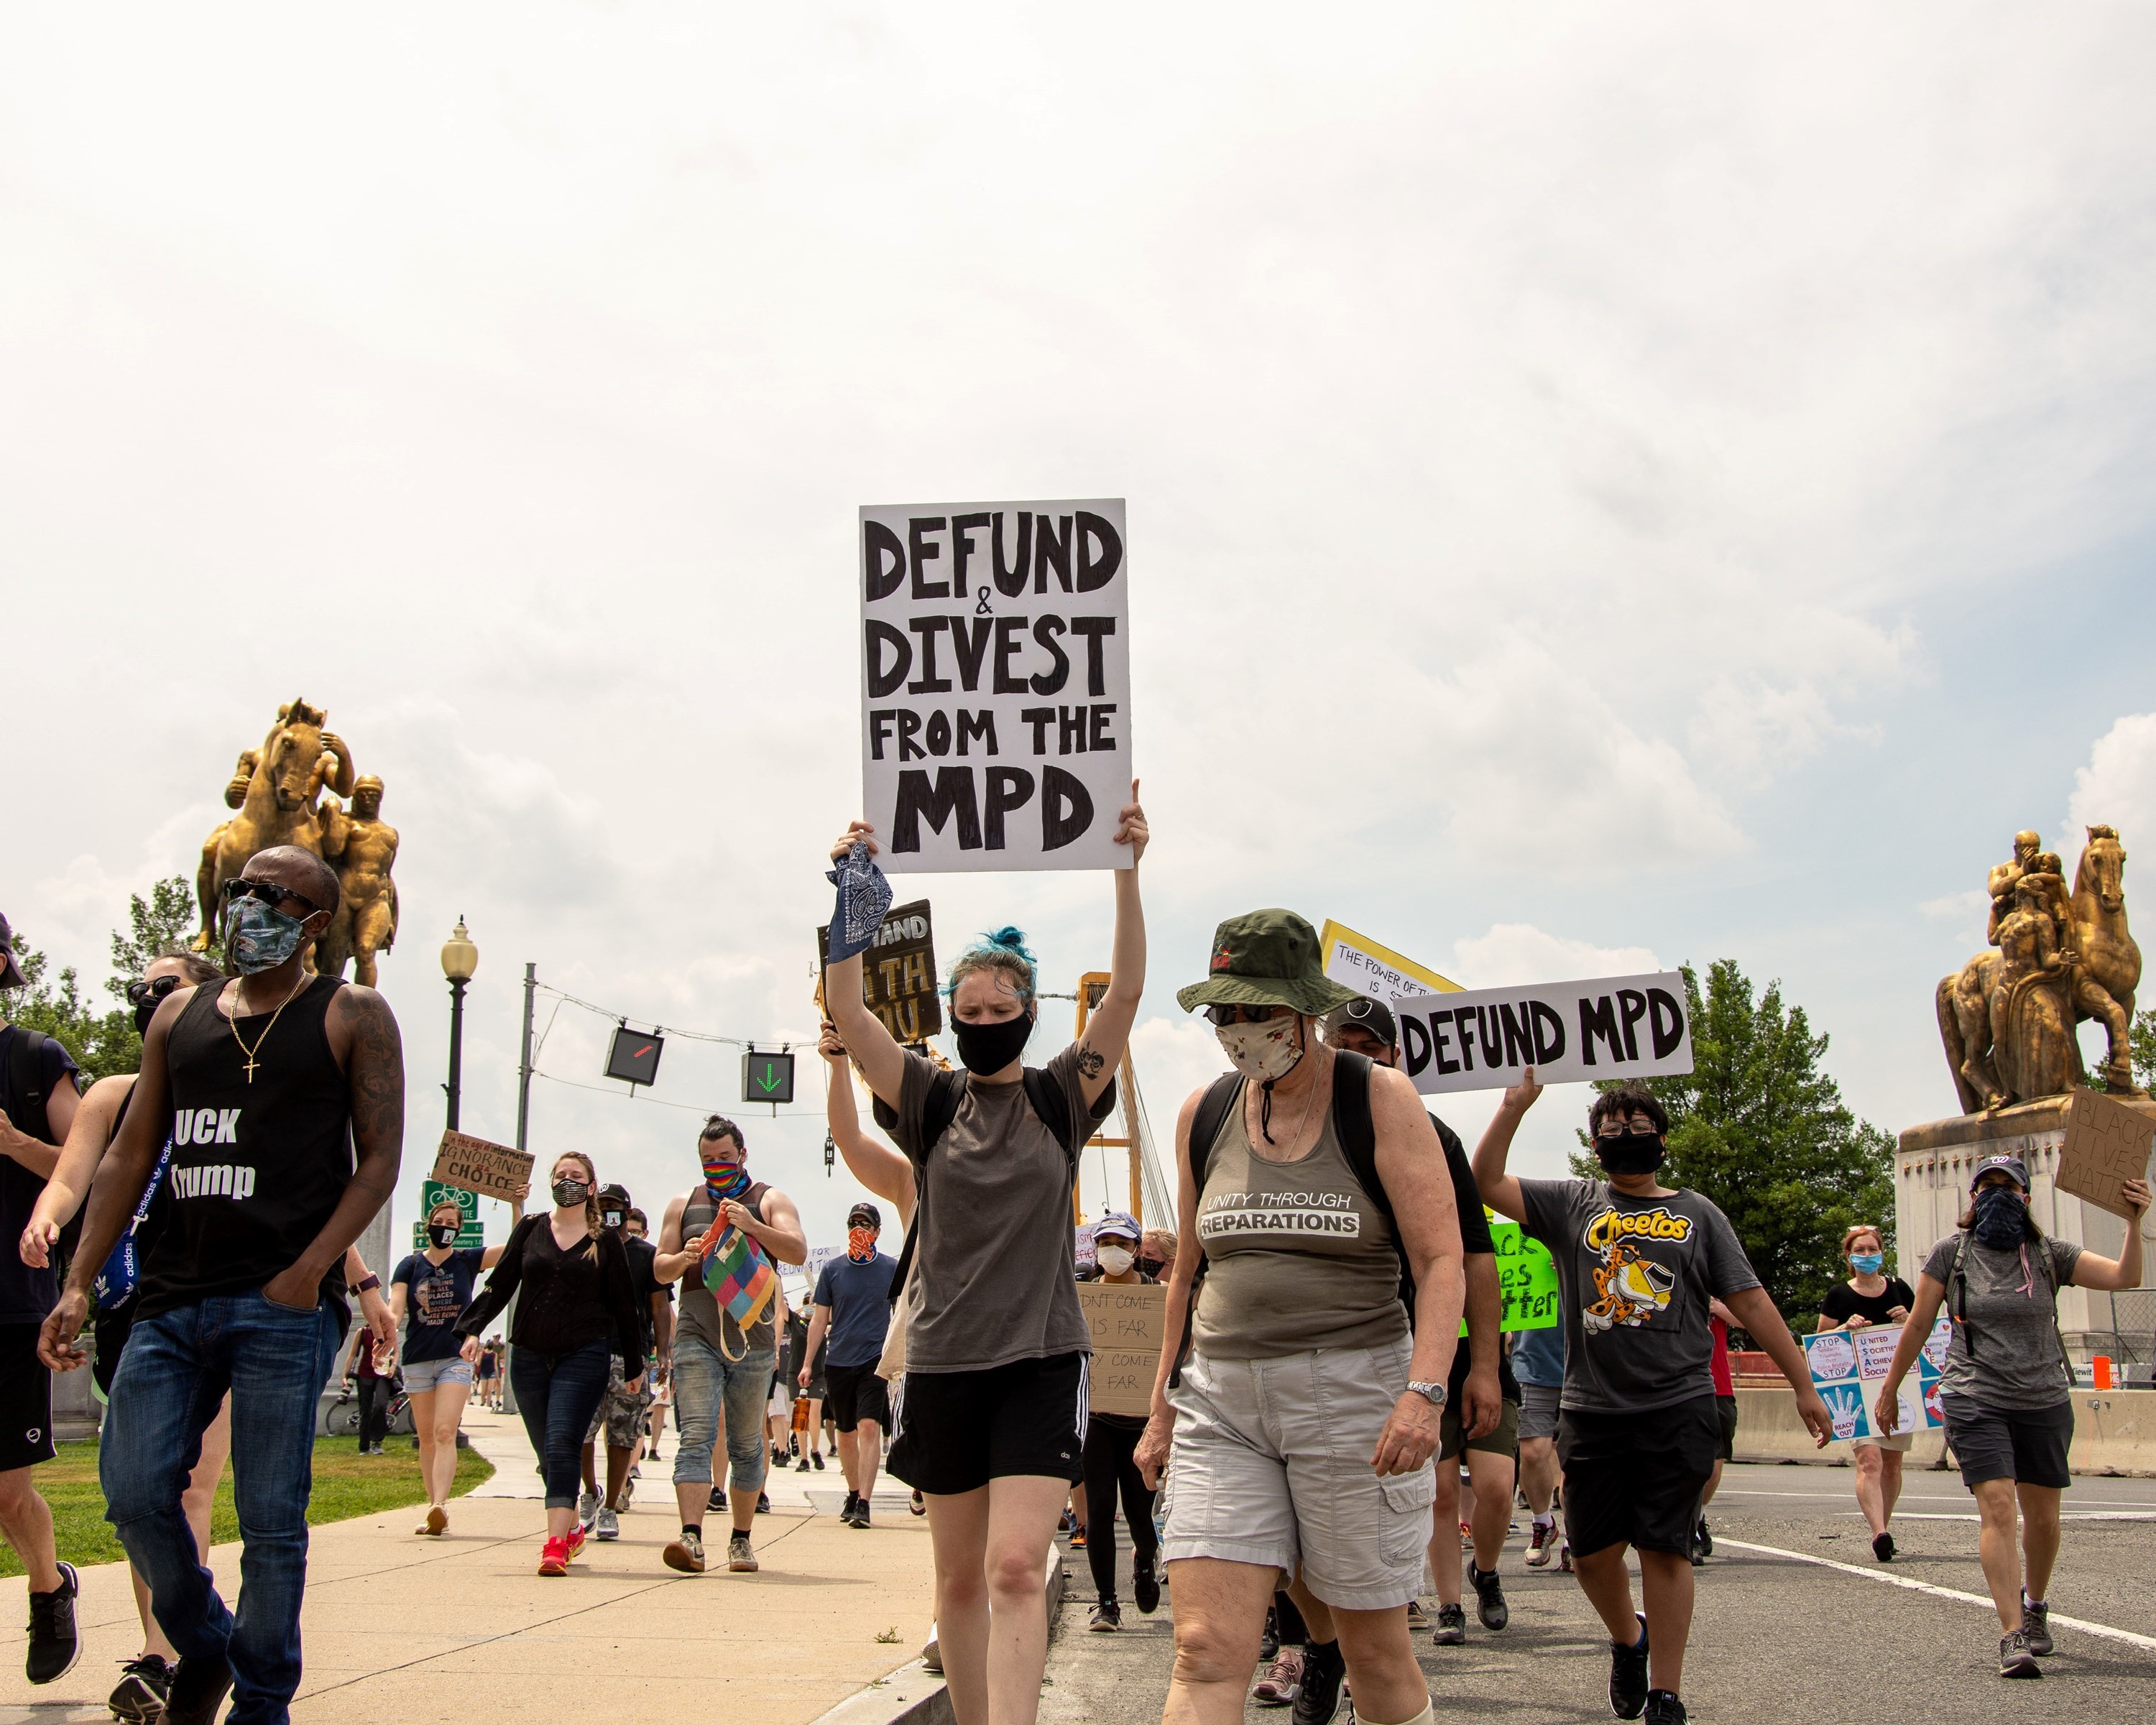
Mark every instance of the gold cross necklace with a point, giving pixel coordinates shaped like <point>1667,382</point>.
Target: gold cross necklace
<point>233,1024</point>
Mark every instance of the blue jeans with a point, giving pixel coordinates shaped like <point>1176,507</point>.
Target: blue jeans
<point>171,1378</point>
<point>557,1394</point>
<point>703,1378</point>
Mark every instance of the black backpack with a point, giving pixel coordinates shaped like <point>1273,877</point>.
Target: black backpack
<point>1352,1124</point>
<point>947,1090</point>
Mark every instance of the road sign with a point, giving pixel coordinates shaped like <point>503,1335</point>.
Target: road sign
<point>634,1055</point>
<point>767,1077</point>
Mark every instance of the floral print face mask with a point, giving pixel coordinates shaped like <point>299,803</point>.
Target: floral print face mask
<point>1266,1053</point>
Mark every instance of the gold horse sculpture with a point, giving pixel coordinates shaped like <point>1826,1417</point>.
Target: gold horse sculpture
<point>273,790</point>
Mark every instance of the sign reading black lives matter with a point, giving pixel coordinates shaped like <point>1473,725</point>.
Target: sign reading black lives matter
<point>1485,1039</point>
<point>995,682</point>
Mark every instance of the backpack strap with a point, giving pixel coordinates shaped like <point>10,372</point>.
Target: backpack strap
<point>26,1084</point>
<point>1225,1093</point>
<point>1353,1125</point>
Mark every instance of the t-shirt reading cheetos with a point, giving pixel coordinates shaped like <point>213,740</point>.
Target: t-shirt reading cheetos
<point>1634,1275</point>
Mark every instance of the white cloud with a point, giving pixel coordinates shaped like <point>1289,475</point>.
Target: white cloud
<point>2118,788</point>
<point>1519,953</point>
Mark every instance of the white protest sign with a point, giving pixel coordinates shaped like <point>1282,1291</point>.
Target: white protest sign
<point>819,1256</point>
<point>1849,1368</point>
<point>1358,962</point>
<point>996,684</point>
<point>1485,1039</point>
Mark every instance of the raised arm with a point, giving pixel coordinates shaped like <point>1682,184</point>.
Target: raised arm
<point>1500,1190</point>
<point>1152,1453</point>
<point>2123,1271</point>
<point>65,1189</point>
<point>883,1061</point>
<point>880,1166</point>
<point>1108,1028</point>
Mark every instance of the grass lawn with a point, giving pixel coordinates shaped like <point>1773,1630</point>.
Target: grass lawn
<point>346,1484</point>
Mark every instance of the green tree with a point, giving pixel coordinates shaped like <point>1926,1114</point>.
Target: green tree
<point>2143,1044</point>
<point>162,924</point>
<point>1757,1127</point>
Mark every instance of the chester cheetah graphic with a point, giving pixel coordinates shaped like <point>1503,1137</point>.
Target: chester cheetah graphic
<point>1631,1288</point>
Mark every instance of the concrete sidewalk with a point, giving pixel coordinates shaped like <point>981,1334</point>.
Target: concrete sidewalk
<point>400,1628</point>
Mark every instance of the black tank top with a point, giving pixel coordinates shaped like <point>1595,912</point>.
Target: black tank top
<point>257,1167</point>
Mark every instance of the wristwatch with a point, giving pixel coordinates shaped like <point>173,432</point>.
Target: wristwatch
<point>367,1283</point>
<point>1433,1394</point>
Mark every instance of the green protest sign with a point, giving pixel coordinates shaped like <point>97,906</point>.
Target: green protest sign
<point>1526,1279</point>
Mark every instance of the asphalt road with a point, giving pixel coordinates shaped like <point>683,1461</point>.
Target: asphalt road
<point>1776,1637</point>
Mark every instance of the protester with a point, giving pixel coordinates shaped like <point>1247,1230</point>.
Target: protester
<point>427,1291</point>
<point>809,1412</point>
<point>576,1307</point>
<point>371,1368</point>
<point>991,1417</point>
<point>1481,1418</point>
<point>1871,1297</point>
<point>2005,1386</point>
<point>852,1306</point>
<point>1637,1263</point>
<point>38,1084</point>
<point>622,1411</point>
<point>718,1366</point>
<point>1538,1364</point>
<point>1157,1253</point>
<point>282,1094</point>
<point>1303,1420</point>
<point>1112,1442</point>
<point>487,1372</point>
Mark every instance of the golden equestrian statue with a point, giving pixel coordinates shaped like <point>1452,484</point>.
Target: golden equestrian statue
<point>362,848</point>
<point>2008,1018</point>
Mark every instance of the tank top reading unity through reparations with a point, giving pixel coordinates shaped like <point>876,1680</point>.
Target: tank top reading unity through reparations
<point>1297,1256</point>
<point>257,1167</point>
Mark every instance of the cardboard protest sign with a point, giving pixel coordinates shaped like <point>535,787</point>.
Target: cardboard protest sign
<point>1485,1039</point>
<point>1849,1366</point>
<point>996,684</point>
<point>1127,1320</point>
<point>898,973</point>
<point>1359,962</point>
<point>2106,1145</point>
<point>1526,1279</point>
<point>491,1170</point>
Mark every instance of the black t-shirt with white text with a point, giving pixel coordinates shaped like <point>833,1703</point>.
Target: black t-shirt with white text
<point>26,1295</point>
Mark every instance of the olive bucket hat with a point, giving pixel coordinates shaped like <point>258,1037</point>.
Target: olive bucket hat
<point>1267,958</point>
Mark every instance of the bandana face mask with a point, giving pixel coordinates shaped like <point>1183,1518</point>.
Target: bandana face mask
<point>860,1244</point>
<point>260,936</point>
<point>1264,1053</point>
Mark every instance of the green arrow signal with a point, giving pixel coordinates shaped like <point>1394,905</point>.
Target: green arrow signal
<point>769,1081</point>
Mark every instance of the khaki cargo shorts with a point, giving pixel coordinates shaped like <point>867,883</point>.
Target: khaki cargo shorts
<point>1271,1465</point>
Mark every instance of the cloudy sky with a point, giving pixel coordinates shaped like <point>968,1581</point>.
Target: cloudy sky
<point>1607,486</point>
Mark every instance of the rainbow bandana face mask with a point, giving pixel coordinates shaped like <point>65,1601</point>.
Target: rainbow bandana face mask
<point>737,1273</point>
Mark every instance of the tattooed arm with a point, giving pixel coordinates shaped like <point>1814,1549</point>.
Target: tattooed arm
<point>363,1037</point>
<point>1109,1027</point>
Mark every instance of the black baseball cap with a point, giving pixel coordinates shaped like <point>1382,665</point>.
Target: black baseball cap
<point>11,973</point>
<point>864,1215</point>
<point>1373,1016</point>
<point>615,1193</point>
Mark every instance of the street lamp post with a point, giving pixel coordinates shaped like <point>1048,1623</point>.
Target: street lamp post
<point>459,959</point>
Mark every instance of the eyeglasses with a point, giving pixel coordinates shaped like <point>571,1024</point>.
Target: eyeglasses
<point>156,990</point>
<point>269,892</point>
<point>1242,1014</point>
<point>1645,1129</point>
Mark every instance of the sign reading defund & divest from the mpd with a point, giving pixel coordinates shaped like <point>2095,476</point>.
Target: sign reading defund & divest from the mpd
<point>1485,1039</point>
<point>995,684</point>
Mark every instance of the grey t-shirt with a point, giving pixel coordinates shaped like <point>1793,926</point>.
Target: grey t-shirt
<point>1634,1278</point>
<point>2018,1362</point>
<point>994,1276</point>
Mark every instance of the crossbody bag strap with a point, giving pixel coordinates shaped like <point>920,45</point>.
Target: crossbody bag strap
<point>1225,1092</point>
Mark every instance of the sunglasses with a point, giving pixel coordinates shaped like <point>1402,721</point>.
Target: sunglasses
<point>269,892</point>
<point>1243,1014</point>
<point>157,989</point>
<point>1646,1131</point>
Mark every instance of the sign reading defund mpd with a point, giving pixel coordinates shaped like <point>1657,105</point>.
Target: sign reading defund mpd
<point>1485,1039</point>
<point>995,685</point>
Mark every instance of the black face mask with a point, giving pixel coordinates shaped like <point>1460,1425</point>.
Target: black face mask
<point>145,1011</point>
<point>570,1192</point>
<point>1630,1154</point>
<point>442,1234</point>
<point>990,1048</point>
<point>2001,1221</point>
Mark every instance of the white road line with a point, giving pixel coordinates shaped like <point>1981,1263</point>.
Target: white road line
<point>2070,1515</point>
<point>2085,1627</point>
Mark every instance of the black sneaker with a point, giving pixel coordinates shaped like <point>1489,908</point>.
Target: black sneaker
<point>715,1504</point>
<point>1323,1671</point>
<point>1882,1547</point>
<point>1664,1709</point>
<point>816,1456</point>
<point>763,1503</point>
<point>846,1509</point>
<point>1627,1676</point>
<point>860,1517</point>
<point>2014,1658</point>
<point>1451,1630</point>
<point>1706,1543</point>
<point>1145,1586</point>
<point>1268,1637</point>
<point>2036,1624</point>
<point>1106,1618</point>
<point>802,1465</point>
<point>144,1684</point>
<point>1489,1607</point>
<point>54,1645</point>
<point>199,1686</point>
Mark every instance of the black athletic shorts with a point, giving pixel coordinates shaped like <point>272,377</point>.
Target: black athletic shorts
<point>1635,1479</point>
<point>1725,1409</point>
<point>856,1393</point>
<point>2027,1445</point>
<point>958,1430</point>
<point>26,1399</point>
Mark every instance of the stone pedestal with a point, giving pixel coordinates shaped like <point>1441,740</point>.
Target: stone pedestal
<point>1933,1169</point>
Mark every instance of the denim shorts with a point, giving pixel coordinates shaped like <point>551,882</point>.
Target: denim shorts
<point>1271,1465</point>
<point>423,1375</point>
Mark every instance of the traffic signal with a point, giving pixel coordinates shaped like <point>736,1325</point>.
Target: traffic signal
<point>634,1055</point>
<point>767,1077</point>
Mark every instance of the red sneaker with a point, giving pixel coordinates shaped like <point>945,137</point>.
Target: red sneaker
<point>575,1541</point>
<point>554,1558</point>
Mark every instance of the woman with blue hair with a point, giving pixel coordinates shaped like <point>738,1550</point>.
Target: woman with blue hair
<point>991,1418</point>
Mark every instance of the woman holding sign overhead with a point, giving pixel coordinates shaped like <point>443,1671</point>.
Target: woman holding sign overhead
<point>1871,1297</point>
<point>992,1417</point>
<point>2004,1390</point>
